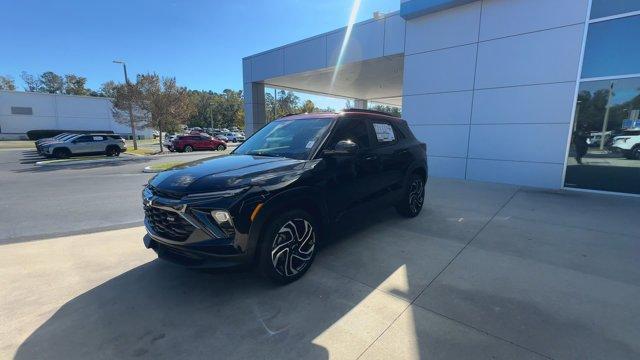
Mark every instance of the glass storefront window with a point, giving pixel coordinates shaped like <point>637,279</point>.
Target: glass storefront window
<point>603,8</point>
<point>612,48</point>
<point>605,143</point>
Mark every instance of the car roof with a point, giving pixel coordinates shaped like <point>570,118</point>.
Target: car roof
<point>323,115</point>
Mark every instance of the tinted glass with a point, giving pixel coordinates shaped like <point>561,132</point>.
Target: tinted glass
<point>603,8</point>
<point>355,130</point>
<point>294,139</point>
<point>605,144</point>
<point>612,48</point>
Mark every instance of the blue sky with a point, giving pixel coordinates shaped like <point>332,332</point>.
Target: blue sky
<point>200,42</point>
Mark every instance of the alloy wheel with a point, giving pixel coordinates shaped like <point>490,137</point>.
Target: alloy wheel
<point>293,247</point>
<point>416,196</point>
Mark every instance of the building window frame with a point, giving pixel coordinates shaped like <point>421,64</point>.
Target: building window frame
<point>579,80</point>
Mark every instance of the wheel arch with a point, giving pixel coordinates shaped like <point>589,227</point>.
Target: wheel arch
<point>304,198</point>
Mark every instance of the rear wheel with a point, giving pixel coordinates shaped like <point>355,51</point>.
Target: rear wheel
<point>113,151</point>
<point>61,153</point>
<point>221,147</point>
<point>188,148</point>
<point>412,200</point>
<point>635,152</point>
<point>288,246</point>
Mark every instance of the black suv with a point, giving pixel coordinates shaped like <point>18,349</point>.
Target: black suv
<point>273,199</point>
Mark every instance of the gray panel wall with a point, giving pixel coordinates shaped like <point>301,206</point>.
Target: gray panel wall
<point>490,87</point>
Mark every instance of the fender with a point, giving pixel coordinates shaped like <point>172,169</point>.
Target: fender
<point>284,201</point>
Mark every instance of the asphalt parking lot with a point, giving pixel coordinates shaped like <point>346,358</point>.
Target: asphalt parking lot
<point>486,271</point>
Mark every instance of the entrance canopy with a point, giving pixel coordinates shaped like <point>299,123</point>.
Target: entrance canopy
<point>364,62</point>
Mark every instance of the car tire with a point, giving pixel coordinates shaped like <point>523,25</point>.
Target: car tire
<point>113,151</point>
<point>221,147</point>
<point>635,153</point>
<point>288,246</point>
<point>61,153</point>
<point>412,199</point>
<point>188,148</point>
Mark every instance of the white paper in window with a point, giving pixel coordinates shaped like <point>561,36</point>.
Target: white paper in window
<point>384,132</point>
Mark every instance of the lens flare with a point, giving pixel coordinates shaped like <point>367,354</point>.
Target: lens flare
<point>345,41</point>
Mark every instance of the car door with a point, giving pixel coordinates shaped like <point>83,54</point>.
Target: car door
<point>81,145</point>
<point>97,144</point>
<point>390,147</point>
<point>351,179</point>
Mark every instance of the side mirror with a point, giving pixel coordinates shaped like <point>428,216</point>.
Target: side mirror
<point>343,148</point>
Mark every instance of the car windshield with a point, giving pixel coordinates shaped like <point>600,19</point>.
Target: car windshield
<point>286,138</point>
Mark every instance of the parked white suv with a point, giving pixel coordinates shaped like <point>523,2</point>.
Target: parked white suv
<point>108,144</point>
<point>628,143</point>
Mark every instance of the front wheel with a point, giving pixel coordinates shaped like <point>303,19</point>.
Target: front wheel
<point>221,147</point>
<point>288,246</point>
<point>412,199</point>
<point>635,153</point>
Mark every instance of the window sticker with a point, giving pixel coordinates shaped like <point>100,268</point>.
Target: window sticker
<point>384,132</point>
<point>97,138</point>
<point>310,144</point>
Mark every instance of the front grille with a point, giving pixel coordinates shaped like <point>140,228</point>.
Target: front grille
<point>168,224</point>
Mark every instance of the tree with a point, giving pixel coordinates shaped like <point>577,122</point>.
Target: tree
<point>32,82</point>
<point>52,83</point>
<point>393,110</point>
<point>158,103</point>
<point>217,110</point>
<point>308,106</point>
<point>286,103</point>
<point>75,85</point>
<point>108,89</point>
<point>7,83</point>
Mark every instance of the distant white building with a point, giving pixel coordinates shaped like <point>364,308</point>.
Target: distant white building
<point>24,111</point>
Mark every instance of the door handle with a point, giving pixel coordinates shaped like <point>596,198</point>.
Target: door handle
<point>371,157</point>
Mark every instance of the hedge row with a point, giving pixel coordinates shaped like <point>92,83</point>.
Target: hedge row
<point>40,134</point>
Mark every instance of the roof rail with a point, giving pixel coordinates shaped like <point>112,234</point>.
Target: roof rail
<point>369,111</point>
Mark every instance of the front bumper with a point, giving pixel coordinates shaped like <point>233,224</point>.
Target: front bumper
<point>190,237</point>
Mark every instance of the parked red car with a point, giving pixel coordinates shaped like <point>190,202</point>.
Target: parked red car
<point>189,143</point>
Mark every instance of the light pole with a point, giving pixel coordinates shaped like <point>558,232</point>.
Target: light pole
<point>129,95</point>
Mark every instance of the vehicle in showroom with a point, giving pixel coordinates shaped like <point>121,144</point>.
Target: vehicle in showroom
<point>281,192</point>
<point>86,144</point>
<point>628,143</point>
<point>189,143</point>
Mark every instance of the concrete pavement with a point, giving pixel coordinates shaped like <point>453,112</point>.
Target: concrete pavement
<point>486,271</point>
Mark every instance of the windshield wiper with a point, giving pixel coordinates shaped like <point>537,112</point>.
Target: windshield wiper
<point>262,153</point>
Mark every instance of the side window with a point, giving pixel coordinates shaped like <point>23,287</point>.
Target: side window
<point>351,129</point>
<point>385,133</point>
<point>83,139</point>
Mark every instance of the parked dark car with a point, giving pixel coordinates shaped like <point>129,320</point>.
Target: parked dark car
<point>278,194</point>
<point>188,143</point>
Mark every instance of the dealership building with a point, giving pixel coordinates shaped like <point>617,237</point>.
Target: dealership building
<point>505,91</point>
<point>21,112</point>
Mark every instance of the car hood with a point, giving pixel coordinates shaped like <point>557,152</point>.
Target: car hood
<point>228,172</point>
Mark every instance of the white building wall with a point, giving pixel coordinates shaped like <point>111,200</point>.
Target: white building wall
<point>489,86</point>
<point>55,111</point>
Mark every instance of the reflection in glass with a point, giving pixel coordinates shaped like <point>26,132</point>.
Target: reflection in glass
<point>603,8</point>
<point>605,143</point>
<point>612,48</point>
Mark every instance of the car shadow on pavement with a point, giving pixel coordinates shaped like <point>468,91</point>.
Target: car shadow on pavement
<point>161,310</point>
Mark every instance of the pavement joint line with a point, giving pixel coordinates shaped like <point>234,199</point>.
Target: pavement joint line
<point>440,273</point>
<point>484,332</point>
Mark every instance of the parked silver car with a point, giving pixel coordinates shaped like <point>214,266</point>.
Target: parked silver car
<point>108,144</point>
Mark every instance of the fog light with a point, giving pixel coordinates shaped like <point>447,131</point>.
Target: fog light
<point>221,216</point>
